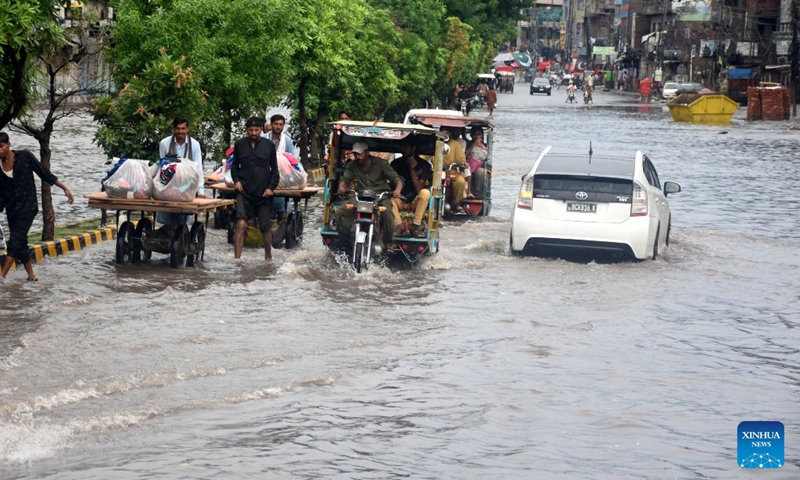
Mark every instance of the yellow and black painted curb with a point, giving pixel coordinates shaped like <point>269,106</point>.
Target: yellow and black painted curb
<point>63,245</point>
<point>316,174</point>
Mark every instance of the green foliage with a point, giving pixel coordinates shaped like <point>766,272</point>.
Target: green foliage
<point>241,50</point>
<point>133,124</point>
<point>27,28</point>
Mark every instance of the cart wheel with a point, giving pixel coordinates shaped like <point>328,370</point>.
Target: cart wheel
<point>143,230</point>
<point>197,240</point>
<point>231,228</point>
<point>298,226</point>
<point>177,249</point>
<point>291,239</point>
<point>124,253</point>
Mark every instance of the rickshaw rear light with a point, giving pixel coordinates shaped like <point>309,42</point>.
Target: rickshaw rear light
<point>381,209</point>
<point>525,199</point>
<point>349,206</point>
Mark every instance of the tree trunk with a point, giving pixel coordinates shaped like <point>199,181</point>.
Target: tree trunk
<point>317,146</point>
<point>302,120</point>
<point>48,214</point>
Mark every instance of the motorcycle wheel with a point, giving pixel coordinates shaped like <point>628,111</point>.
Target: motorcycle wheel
<point>358,257</point>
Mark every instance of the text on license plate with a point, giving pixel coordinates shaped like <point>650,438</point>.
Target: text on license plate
<point>582,207</point>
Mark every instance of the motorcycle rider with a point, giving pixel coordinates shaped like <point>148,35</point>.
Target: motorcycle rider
<point>587,92</point>
<point>371,173</point>
<point>571,92</point>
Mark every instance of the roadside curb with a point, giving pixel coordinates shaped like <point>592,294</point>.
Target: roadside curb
<point>64,245</point>
<point>316,174</point>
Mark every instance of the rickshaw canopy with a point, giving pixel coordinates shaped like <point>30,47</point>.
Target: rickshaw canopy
<point>386,137</point>
<point>439,120</point>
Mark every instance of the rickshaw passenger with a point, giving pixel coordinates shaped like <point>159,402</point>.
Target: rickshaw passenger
<point>368,173</point>
<point>458,183</point>
<point>476,154</point>
<point>416,174</point>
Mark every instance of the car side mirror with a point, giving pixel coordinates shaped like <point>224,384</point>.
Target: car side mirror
<point>671,187</point>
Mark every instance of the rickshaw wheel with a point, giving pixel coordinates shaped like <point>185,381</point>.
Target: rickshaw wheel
<point>124,252</point>
<point>143,228</point>
<point>177,250</point>
<point>197,240</point>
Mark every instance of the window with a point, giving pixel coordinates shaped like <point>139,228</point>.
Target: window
<point>650,173</point>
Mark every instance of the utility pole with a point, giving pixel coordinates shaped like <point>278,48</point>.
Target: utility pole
<point>661,41</point>
<point>793,51</point>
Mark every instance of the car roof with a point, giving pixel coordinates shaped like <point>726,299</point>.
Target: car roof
<point>578,163</point>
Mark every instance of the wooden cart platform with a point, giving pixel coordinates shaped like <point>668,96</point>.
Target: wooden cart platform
<point>135,244</point>
<point>295,215</point>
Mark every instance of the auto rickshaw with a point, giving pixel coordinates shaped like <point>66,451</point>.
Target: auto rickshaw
<point>506,82</point>
<point>480,204</point>
<point>387,139</point>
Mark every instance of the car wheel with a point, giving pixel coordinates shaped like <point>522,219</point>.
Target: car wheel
<point>655,244</point>
<point>548,94</point>
<point>669,230</point>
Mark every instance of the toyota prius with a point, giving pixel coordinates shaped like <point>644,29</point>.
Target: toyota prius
<point>611,204</point>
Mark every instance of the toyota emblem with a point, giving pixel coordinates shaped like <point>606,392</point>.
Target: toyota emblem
<point>581,195</point>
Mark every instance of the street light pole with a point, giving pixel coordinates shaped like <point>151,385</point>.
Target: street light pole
<point>661,42</point>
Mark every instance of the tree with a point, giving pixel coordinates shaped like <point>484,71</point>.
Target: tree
<point>132,124</point>
<point>53,66</point>
<point>238,49</point>
<point>27,28</point>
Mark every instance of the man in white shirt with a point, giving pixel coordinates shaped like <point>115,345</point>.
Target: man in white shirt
<point>181,145</point>
<point>283,143</point>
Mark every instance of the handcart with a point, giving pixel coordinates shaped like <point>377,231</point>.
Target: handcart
<point>136,243</point>
<point>294,219</point>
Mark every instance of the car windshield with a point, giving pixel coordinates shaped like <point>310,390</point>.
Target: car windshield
<point>540,81</point>
<point>671,86</point>
<point>689,86</point>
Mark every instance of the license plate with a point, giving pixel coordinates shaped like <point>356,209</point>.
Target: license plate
<point>582,207</point>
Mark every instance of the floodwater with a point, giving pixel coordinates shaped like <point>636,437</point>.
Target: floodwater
<point>473,365</point>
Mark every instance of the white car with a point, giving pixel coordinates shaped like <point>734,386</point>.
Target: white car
<point>605,204</point>
<point>670,90</point>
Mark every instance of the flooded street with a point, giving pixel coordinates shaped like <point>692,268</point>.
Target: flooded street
<point>473,365</point>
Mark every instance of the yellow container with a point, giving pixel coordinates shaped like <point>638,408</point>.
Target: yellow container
<point>709,109</point>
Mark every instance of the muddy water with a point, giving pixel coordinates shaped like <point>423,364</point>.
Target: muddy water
<point>475,364</point>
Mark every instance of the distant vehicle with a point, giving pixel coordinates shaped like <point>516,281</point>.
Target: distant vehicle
<point>689,88</point>
<point>566,78</point>
<point>670,90</point>
<point>611,204</point>
<point>541,85</point>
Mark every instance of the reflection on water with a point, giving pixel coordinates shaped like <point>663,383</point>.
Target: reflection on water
<point>473,364</point>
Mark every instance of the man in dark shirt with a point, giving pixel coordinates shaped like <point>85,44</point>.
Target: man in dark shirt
<point>255,175</point>
<point>416,174</point>
<point>18,195</point>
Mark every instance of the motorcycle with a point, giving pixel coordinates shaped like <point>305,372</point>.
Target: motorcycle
<point>571,97</point>
<point>587,97</point>
<point>367,221</point>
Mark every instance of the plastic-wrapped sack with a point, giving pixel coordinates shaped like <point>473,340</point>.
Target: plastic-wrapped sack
<point>131,179</point>
<point>177,181</point>
<point>228,179</point>
<point>293,176</point>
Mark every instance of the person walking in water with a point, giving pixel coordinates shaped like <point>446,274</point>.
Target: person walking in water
<point>18,197</point>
